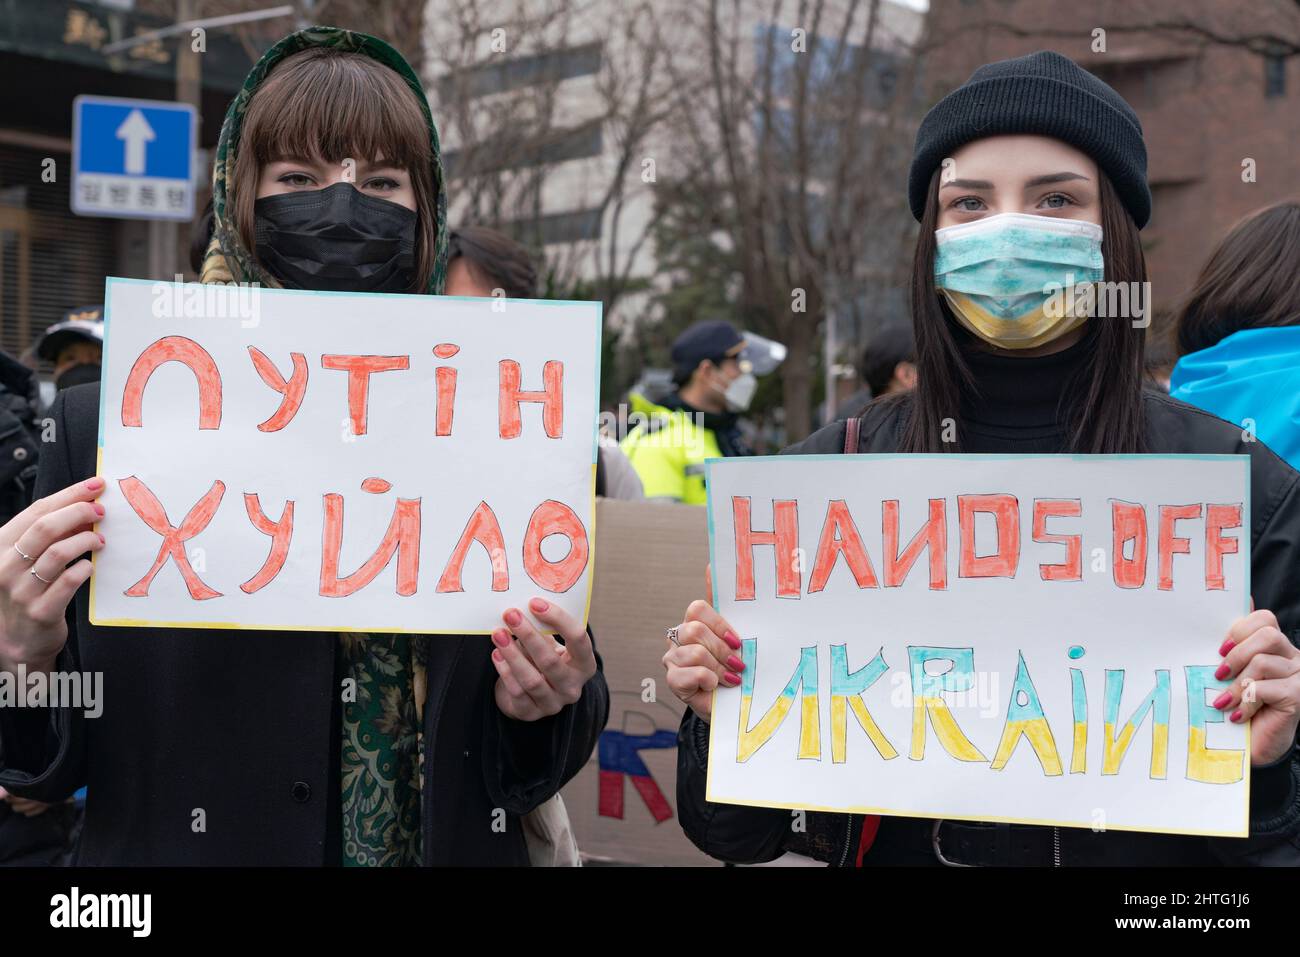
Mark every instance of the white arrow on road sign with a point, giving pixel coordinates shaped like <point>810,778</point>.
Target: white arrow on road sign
<point>135,132</point>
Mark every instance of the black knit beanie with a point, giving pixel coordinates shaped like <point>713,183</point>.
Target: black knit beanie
<point>1043,93</point>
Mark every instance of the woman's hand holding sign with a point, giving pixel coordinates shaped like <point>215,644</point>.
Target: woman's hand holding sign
<point>538,677</point>
<point>1265,667</point>
<point>36,581</point>
<point>703,654</point>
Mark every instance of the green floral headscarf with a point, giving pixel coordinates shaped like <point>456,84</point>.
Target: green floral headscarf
<point>226,259</point>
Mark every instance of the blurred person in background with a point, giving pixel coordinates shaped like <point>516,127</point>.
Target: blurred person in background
<point>19,435</point>
<point>715,370</point>
<point>888,366</point>
<point>481,261</point>
<point>75,346</point>
<point>1238,331</point>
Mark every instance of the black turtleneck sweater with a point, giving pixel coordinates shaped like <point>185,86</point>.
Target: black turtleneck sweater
<point>1023,404</point>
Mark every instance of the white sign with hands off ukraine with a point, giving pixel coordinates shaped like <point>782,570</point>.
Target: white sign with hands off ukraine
<point>993,638</point>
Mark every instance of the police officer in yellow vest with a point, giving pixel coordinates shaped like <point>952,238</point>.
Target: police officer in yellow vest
<point>714,368</point>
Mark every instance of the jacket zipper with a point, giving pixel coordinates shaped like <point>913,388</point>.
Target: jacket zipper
<point>1056,847</point>
<point>848,842</point>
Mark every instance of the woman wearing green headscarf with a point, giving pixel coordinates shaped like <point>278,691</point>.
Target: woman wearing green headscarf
<point>265,748</point>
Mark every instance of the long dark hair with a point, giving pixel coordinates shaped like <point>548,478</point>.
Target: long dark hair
<point>1107,393</point>
<point>495,260</point>
<point>1250,281</point>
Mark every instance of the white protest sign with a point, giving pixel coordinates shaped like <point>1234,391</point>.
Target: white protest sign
<point>993,638</point>
<point>288,459</point>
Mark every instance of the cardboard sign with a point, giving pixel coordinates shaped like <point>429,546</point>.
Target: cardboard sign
<point>1023,639</point>
<point>315,461</point>
<point>650,560</point>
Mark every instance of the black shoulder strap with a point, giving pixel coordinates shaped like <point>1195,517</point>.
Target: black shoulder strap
<point>600,473</point>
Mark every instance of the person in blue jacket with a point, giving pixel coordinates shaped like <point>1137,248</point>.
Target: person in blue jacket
<point>1238,331</point>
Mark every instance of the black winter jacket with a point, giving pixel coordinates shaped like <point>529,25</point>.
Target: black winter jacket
<point>19,428</point>
<point>243,725</point>
<point>742,834</point>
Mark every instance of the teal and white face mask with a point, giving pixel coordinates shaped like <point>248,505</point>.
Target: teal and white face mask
<point>1009,278</point>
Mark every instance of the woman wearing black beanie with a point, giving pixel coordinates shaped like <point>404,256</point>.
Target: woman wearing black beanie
<point>1031,173</point>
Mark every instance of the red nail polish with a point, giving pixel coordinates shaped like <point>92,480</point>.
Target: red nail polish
<point>732,641</point>
<point>496,656</point>
<point>1222,700</point>
<point>500,639</point>
<point>1223,671</point>
<point>99,509</point>
<point>1236,716</point>
<point>735,664</point>
<point>101,539</point>
<point>538,604</point>
<point>513,618</point>
<point>731,679</point>
<point>1226,647</point>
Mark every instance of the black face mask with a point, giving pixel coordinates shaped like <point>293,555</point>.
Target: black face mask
<point>336,239</point>
<point>78,374</point>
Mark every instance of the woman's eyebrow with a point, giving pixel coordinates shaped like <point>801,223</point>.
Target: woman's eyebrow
<point>968,184</point>
<point>297,161</point>
<point>1063,177</point>
<point>377,166</point>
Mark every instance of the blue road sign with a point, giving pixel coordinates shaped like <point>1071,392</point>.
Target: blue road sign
<point>133,158</point>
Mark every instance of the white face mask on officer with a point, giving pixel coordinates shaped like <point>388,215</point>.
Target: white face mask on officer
<point>737,393</point>
<point>740,392</point>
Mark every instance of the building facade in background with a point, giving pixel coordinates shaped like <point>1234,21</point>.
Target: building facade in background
<point>560,117</point>
<point>548,112</point>
<point>51,51</point>
<point>592,130</point>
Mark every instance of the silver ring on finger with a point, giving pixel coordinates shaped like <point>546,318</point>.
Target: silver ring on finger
<point>671,635</point>
<point>25,557</point>
<point>39,578</point>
